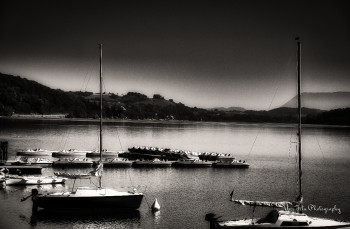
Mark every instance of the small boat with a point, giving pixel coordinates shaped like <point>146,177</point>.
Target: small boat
<point>149,150</point>
<point>152,163</point>
<point>292,216</point>
<point>224,157</point>
<point>230,163</point>
<point>32,180</point>
<point>70,153</point>
<point>192,163</point>
<point>32,161</point>
<point>75,162</point>
<point>34,152</point>
<point>19,162</point>
<point>105,154</point>
<point>117,162</point>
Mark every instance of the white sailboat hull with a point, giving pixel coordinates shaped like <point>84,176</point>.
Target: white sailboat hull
<point>283,219</point>
<point>316,223</point>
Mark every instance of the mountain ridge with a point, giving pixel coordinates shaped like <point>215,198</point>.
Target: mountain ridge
<point>322,100</point>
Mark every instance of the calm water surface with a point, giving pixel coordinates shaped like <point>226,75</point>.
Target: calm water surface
<point>186,195</point>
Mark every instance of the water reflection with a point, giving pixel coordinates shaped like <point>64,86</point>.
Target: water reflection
<point>157,217</point>
<point>101,218</point>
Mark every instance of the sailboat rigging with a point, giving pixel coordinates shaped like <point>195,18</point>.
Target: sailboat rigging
<point>92,197</point>
<point>292,215</point>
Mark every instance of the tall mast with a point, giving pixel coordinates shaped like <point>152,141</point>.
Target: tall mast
<point>299,115</point>
<point>100,162</point>
<point>100,102</point>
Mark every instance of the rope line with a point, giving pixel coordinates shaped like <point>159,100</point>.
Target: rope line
<point>251,149</point>
<point>147,200</point>
<point>87,74</point>
<point>272,100</point>
<point>318,143</point>
<point>120,143</point>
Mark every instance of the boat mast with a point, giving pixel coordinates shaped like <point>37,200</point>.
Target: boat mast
<point>100,179</point>
<point>299,116</point>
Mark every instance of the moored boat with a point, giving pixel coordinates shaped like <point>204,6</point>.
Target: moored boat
<point>292,215</point>
<point>145,152</point>
<point>93,197</point>
<point>283,219</point>
<point>232,163</point>
<point>44,162</point>
<point>35,152</point>
<point>105,154</point>
<point>152,163</point>
<point>32,180</point>
<point>70,153</point>
<point>116,162</point>
<point>75,162</point>
<point>192,163</point>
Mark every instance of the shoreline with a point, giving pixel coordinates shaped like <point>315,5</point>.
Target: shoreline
<point>61,117</point>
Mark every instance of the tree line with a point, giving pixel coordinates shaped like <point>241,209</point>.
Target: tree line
<point>22,96</point>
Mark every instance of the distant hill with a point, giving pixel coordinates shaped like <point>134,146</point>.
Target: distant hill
<point>323,101</point>
<point>19,96</point>
<point>22,96</point>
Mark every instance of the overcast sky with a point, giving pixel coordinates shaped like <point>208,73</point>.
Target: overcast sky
<point>204,55</point>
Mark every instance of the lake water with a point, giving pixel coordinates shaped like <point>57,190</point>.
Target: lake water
<point>187,194</point>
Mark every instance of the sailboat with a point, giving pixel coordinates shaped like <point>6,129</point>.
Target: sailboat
<point>92,197</point>
<point>292,215</point>
<point>19,179</point>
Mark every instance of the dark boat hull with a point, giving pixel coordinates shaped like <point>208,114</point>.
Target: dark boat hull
<point>117,164</point>
<point>150,164</point>
<point>281,227</point>
<point>125,202</point>
<point>229,166</point>
<point>104,155</point>
<point>191,165</point>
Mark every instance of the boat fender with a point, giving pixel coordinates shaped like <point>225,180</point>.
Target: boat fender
<point>155,205</point>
